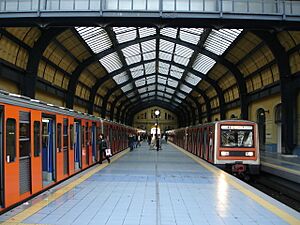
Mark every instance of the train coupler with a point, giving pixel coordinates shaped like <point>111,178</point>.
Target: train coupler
<point>238,168</point>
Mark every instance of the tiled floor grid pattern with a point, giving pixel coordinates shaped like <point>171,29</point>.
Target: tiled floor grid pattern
<point>146,187</point>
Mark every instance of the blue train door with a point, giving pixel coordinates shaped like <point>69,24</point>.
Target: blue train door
<point>94,142</point>
<point>48,151</point>
<point>77,155</point>
<point>1,158</point>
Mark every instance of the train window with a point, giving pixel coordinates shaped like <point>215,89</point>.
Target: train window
<point>237,136</point>
<point>24,134</point>
<point>82,136</point>
<point>58,144</point>
<point>66,134</point>
<point>37,138</point>
<point>10,140</point>
<point>72,136</point>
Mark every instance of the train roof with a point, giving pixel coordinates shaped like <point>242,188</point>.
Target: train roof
<point>210,123</point>
<point>24,101</point>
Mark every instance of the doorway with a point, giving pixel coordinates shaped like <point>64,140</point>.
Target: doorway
<point>48,151</point>
<point>77,155</point>
<point>261,122</point>
<point>278,122</point>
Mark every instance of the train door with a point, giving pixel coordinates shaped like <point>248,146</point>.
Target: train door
<point>65,146</point>
<point>48,151</point>
<point>77,155</point>
<point>87,143</point>
<point>94,142</point>
<point>24,153</point>
<point>210,145</point>
<point>1,158</point>
<point>204,141</point>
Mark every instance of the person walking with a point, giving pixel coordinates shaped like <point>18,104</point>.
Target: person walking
<point>102,148</point>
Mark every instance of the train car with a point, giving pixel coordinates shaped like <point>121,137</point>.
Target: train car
<point>232,145</point>
<point>42,144</point>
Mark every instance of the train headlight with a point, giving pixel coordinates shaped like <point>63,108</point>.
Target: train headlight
<point>249,154</point>
<point>223,153</point>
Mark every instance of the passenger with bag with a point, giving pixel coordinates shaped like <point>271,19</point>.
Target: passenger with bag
<point>103,149</point>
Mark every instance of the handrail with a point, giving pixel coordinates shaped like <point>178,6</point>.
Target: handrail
<point>265,7</point>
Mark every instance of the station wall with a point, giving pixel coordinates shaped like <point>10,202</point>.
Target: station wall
<point>8,86</point>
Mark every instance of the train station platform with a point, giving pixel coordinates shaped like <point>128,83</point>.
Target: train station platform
<point>285,166</point>
<point>142,187</point>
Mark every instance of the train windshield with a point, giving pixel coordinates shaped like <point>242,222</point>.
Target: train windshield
<point>237,136</point>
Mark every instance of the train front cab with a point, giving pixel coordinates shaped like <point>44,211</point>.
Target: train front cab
<point>242,158</point>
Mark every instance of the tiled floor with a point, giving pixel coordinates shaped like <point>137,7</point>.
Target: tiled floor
<point>156,188</point>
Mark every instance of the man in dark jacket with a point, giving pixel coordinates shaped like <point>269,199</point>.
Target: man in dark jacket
<point>102,148</point>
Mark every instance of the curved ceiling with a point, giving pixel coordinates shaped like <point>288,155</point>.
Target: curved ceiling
<point>150,64</point>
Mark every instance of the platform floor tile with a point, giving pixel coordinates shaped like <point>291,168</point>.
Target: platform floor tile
<point>146,187</point>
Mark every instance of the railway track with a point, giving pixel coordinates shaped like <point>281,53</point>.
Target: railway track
<point>283,190</point>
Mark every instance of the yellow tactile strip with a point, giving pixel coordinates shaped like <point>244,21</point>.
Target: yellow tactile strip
<point>17,219</point>
<point>279,212</point>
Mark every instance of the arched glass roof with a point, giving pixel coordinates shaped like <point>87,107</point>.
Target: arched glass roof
<point>159,61</point>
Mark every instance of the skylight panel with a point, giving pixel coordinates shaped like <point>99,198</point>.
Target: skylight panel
<point>151,87</point>
<point>161,80</point>
<point>169,32</point>
<point>144,95</point>
<point>203,63</point>
<point>191,35</point>
<point>149,55</point>
<point>164,68</point>
<point>161,99</point>
<point>170,90</point>
<point>165,56</point>
<point>95,37</point>
<point>148,46</point>
<point>172,83</point>
<point>146,31</point>
<point>127,36</point>
<point>160,94</point>
<point>121,78</point>
<point>132,54</point>
<point>151,79</point>
<point>160,87</point>
<point>151,93</point>
<point>176,72</point>
<point>150,68</point>
<point>127,87</point>
<point>140,82</point>
<point>192,79</point>
<point>142,90</point>
<point>119,30</point>
<point>180,95</point>
<point>168,96</point>
<point>219,40</point>
<point>185,88</point>
<point>166,46</point>
<point>111,62</point>
<point>137,71</point>
<point>131,95</point>
<point>178,100</point>
<point>182,55</point>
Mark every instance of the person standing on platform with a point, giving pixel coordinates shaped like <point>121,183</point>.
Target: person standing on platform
<point>166,138</point>
<point>149,139</point>
<point>130,141</point>
<point>102,148</point>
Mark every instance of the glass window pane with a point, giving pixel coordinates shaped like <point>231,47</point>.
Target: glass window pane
<point>37,138</point>
<point>10,140</point>
<point>58,137</point>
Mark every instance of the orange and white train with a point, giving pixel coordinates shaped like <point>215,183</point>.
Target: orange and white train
<point>41,145</point>
<point>231,145</point>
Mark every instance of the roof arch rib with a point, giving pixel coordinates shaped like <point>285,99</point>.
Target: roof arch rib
<point>196,73</point>
<point>199,49</point>
<point>35,55</point>
<point>111,91</point>
<point>136,107</point>
<point>129,100</point>
<point>288,93</point>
